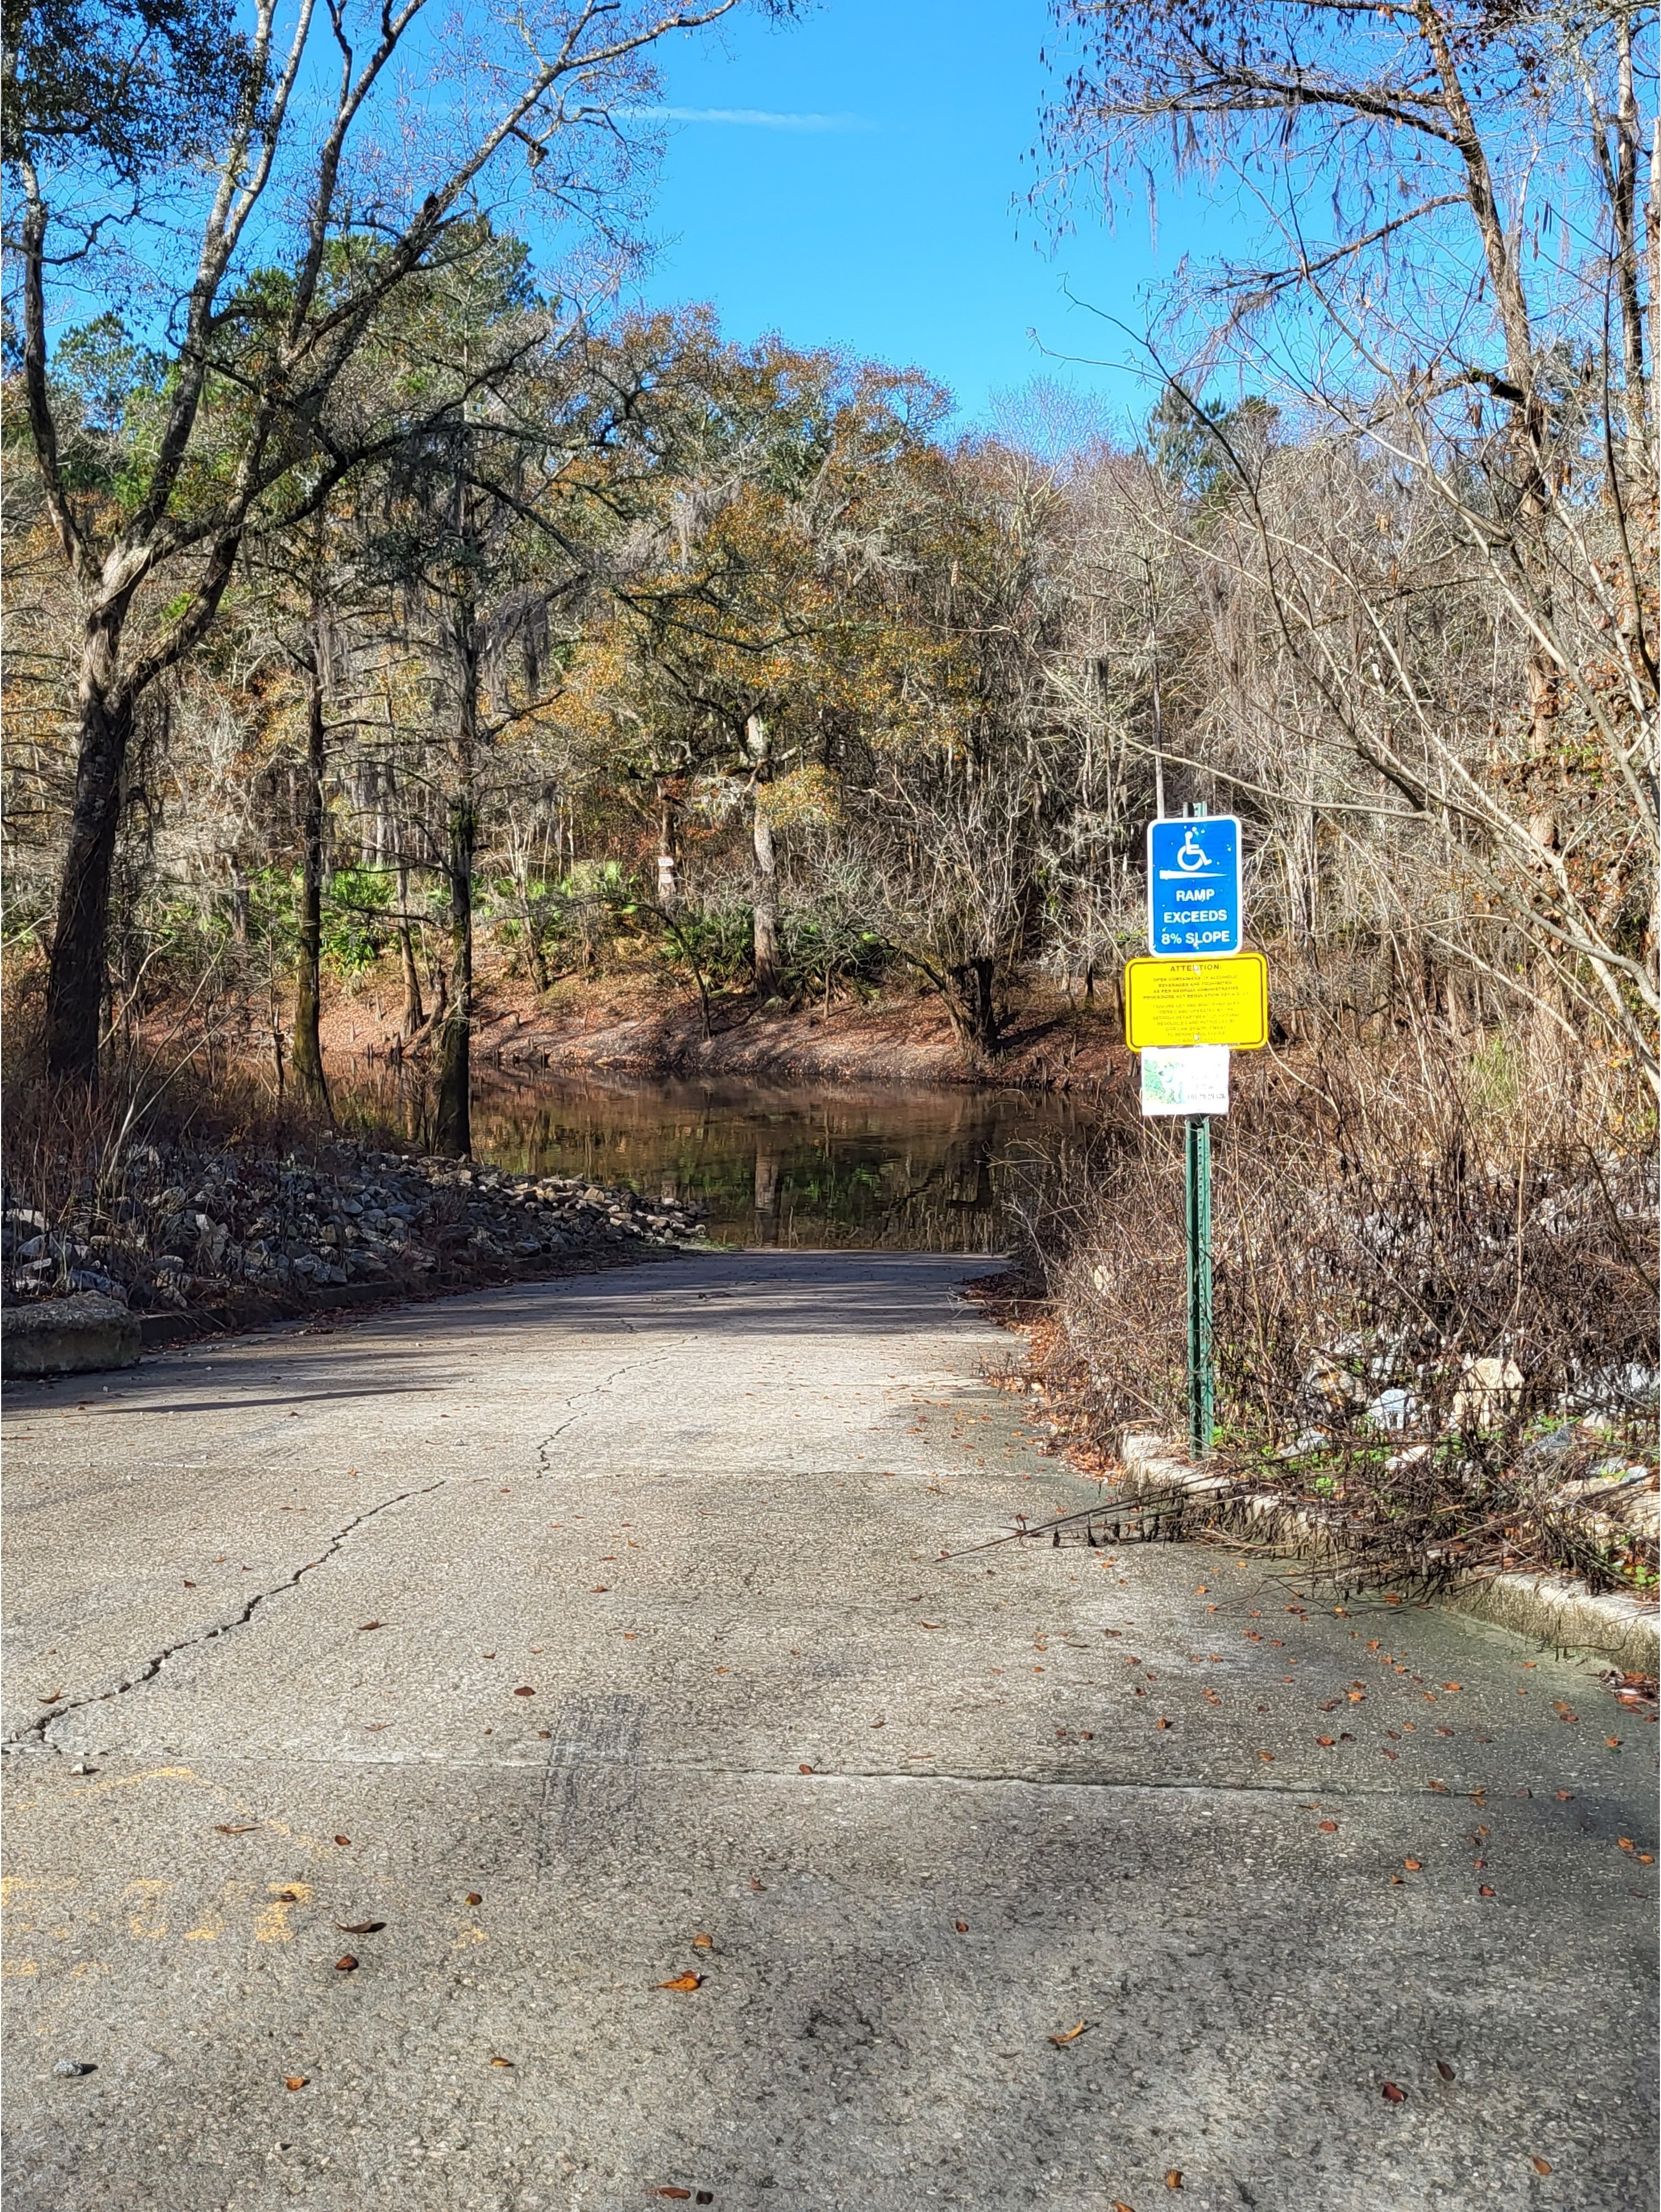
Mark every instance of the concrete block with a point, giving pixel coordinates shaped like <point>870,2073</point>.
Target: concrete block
<point>78,1335</point>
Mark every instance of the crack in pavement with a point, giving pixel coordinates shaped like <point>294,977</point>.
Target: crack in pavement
<point>149,1669</point>
<point>576,1402</point>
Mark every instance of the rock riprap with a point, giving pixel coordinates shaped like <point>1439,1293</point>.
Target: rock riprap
<point>187,1228</point>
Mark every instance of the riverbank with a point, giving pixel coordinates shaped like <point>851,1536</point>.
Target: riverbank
<point>636,1024</point>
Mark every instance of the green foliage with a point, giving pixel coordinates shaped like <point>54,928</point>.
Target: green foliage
<point>815,950</point>
<point>355,931</point>
<point>1203,445</point>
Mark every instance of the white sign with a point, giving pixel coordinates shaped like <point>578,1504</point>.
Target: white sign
<point>1186,1079</point>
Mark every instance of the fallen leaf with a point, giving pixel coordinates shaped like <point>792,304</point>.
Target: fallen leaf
<point>343,1840</point>
<point>524,1693</point>
<point>804,1769</point>
<point>359,1927</point>
<point>1325,1742</point>
<point>1623,1843</point>
<point>364,1627</point>
<point>1445,2071</point>
<point>1120,2206</point>
<point>962,1926</point>
<point>1485,1890</point>
<point>1173,2178</point>
<point>1565,1796</point>
<point>501,2062</point>
<point>683,2195</point>
<point>703,1942</point>
<point>1161,1724</point>
<point>1327,1827</point>
<point>683,1982</point>
<point>1071,2035</point>
<point>1541,2166</point>
<point>600,1589</point>
<point>1267,1757</point>
<point>1646,1858</point>
<point>1412,1865</point>
<point>225,1828</point>
<point>287,1897</point>
<point>1393,2095</point>
<point>1613,1741</point>
<point>472,1898</point>
<point>1454,1686</point>
<point>347,1965</point>
<point>295,2080</point>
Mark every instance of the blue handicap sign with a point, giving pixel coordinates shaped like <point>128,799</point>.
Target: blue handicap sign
<point>1194,887</point>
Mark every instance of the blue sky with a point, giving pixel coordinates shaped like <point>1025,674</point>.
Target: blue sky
<point>891,225</point>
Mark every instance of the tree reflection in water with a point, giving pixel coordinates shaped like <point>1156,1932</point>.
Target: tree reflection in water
<point>904,1170</point>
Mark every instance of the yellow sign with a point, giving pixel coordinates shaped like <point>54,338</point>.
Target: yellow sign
<point>1184,1002</point>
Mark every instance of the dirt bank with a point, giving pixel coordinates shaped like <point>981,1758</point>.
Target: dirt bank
<point>633,1023</point>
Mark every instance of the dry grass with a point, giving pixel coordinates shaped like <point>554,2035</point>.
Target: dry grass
<point>1434,1301</point>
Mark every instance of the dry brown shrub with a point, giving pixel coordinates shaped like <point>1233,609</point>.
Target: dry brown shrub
<point>1382,1224</point>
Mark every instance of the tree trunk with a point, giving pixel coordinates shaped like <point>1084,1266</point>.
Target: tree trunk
<point>75,977</point>
<point>764,925</point>
<point>307,1052</point>
<point>413,1016</point>
<point>453,1126</point>
<point>668,857</point>
<point>973,980</point>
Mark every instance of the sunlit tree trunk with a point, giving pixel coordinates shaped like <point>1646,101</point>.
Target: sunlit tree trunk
<point>764,928</point>
<point>307,1053</point>
<point>453,1128</point>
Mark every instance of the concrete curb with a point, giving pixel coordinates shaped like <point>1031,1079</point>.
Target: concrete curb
<point>1547,1608</point>
<point>85,1334</point>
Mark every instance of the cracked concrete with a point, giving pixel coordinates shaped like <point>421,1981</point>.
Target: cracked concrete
<point>42,1730</point>
<point>657,1672</point>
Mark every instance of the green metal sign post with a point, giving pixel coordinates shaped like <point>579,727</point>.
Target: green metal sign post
<point>1200,1392</point>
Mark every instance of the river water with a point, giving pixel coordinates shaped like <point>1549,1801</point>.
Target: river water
<point>902,1169</point>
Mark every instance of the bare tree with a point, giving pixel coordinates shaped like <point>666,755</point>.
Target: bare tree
<point>250,363</point>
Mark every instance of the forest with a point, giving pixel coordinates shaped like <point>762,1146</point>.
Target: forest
<point>393,611</point>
